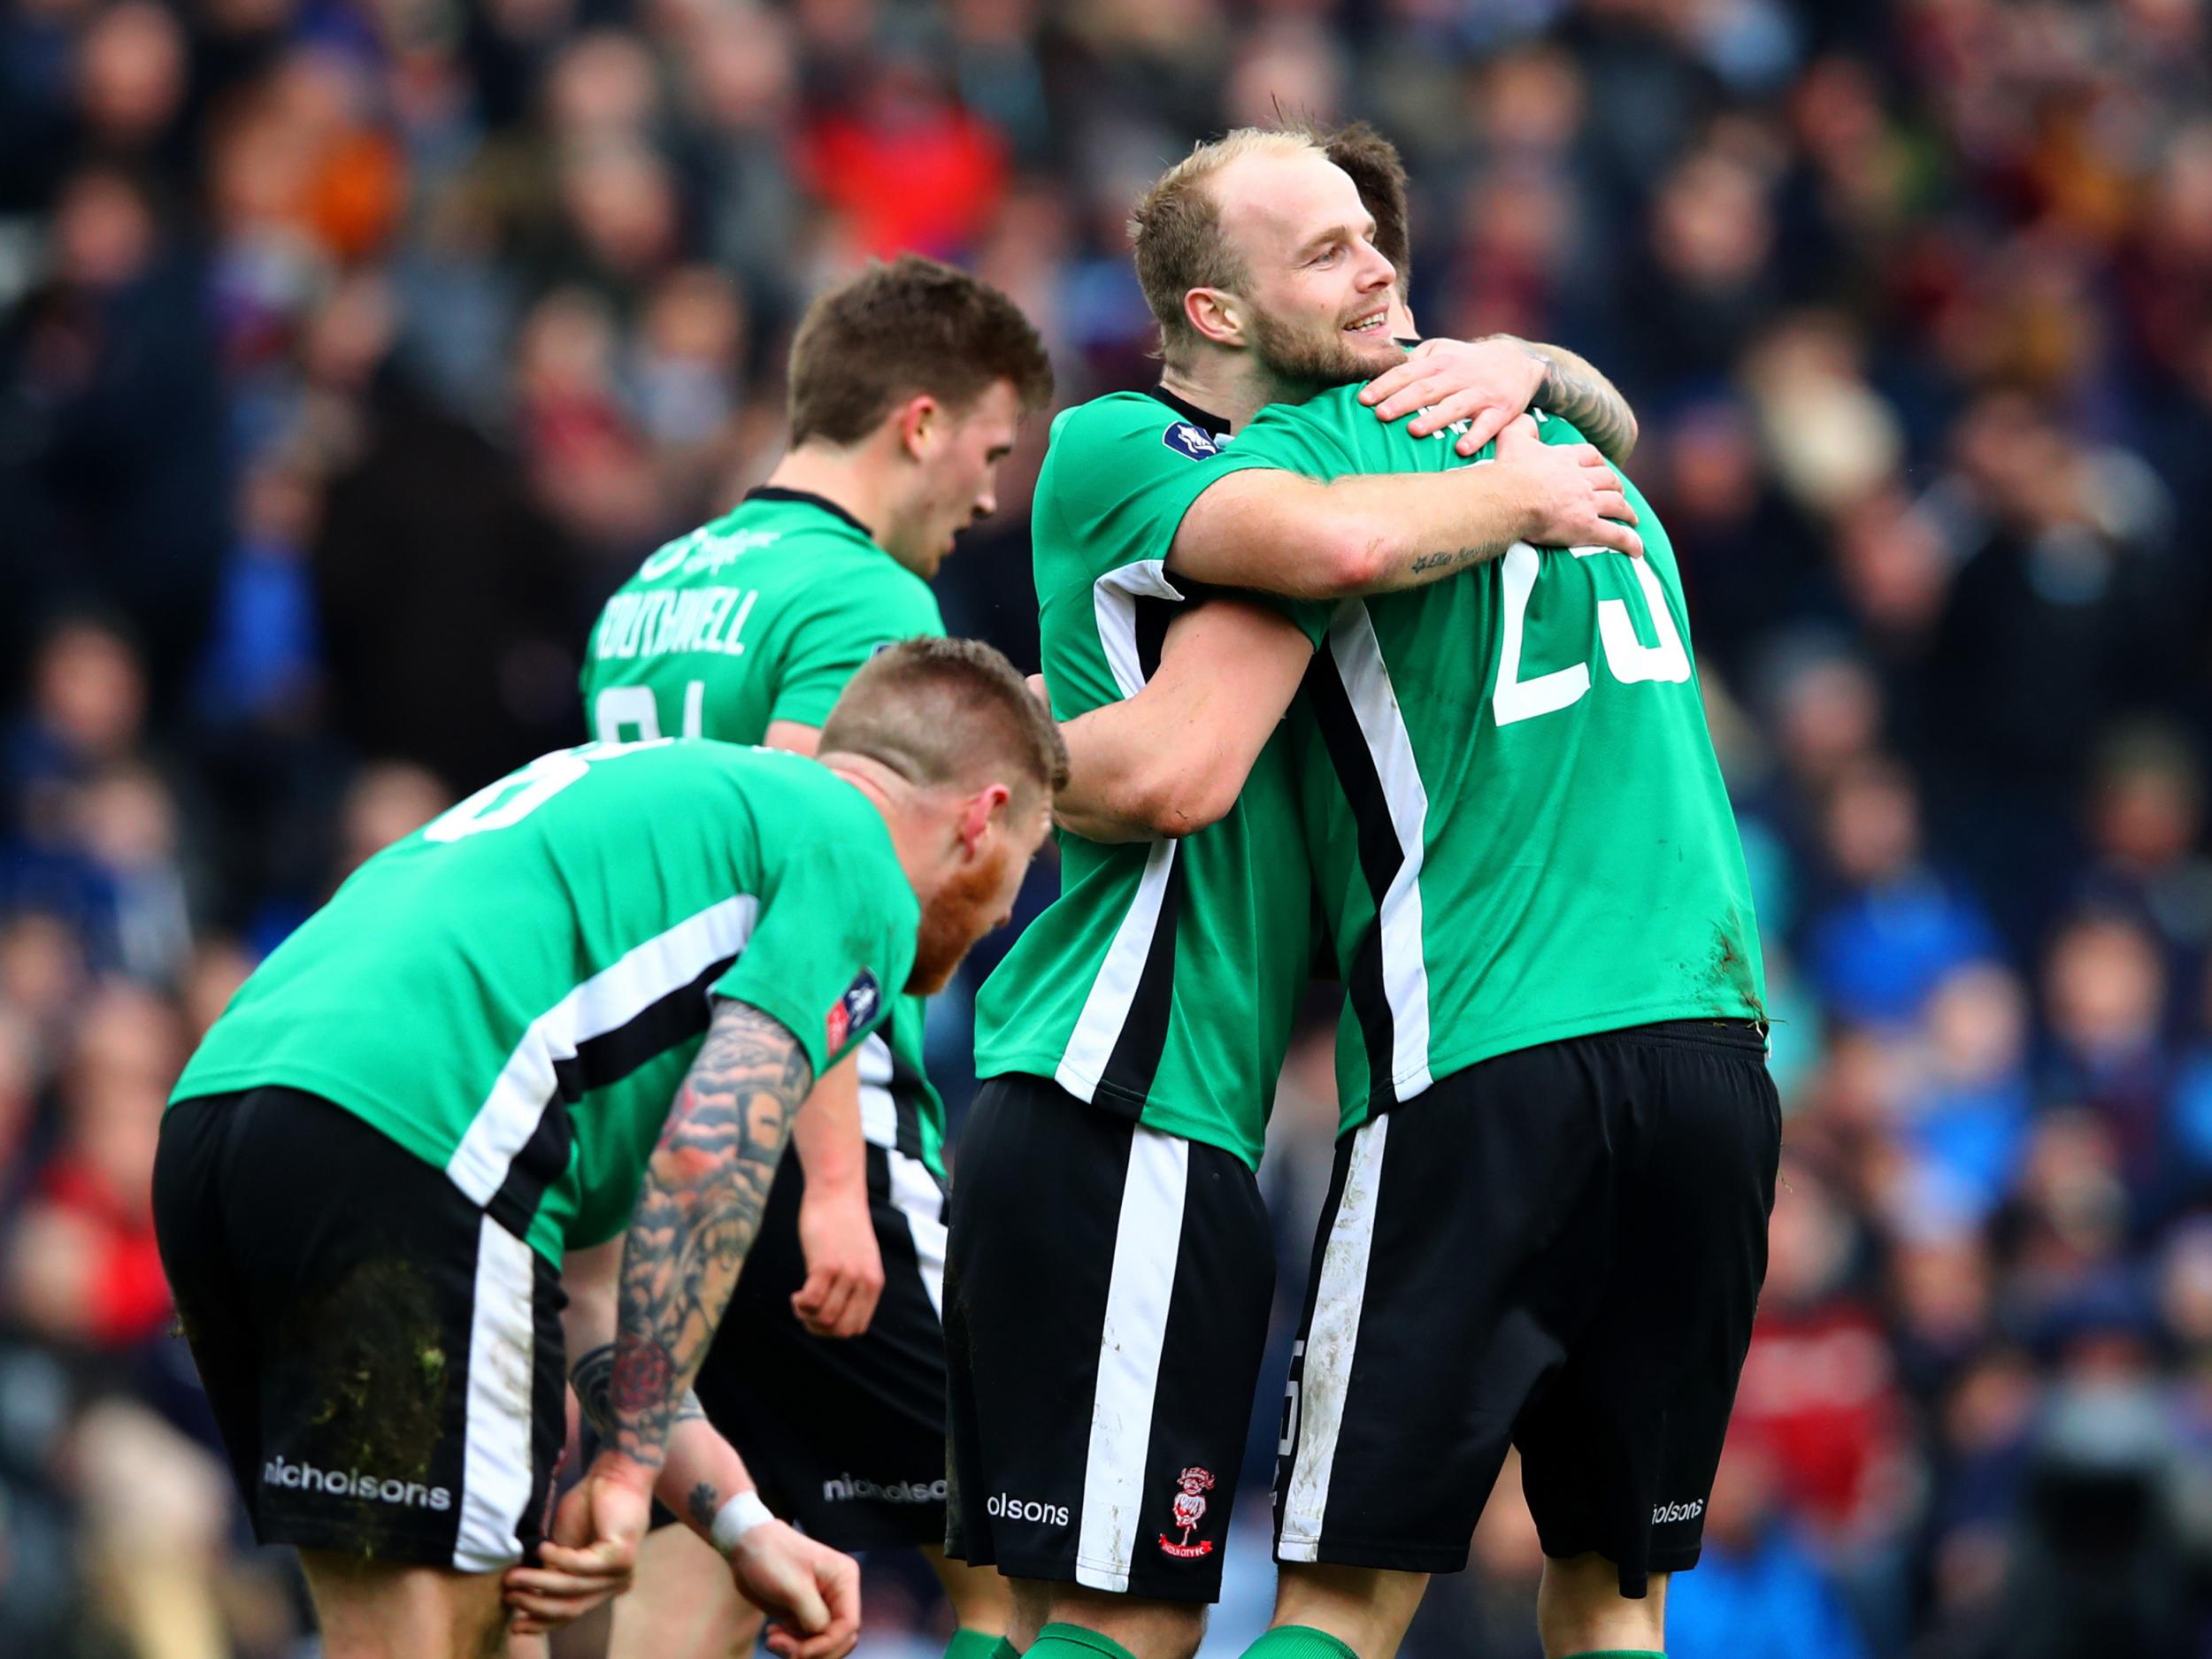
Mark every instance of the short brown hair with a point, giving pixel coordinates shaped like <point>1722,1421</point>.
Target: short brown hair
<point>1380,171</point>
<point>1175,229</point>
<point>946,711</point>
<point>899,330</point>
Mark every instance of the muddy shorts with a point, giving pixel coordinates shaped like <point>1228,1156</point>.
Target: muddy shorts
<point>383,1358</point>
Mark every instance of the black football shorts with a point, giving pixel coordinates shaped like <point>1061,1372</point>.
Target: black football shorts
<point>844,1435</point>
<point>1559,1249</point>
<point>384,1359</point>
<point>1107,1289</point>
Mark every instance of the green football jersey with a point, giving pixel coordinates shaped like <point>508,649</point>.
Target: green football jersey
<point>1518,827</point>
<point>764,615</point>
<point>1161,984</point>
<point>514,992</point>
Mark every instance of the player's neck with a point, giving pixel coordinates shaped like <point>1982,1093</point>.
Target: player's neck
<point>1227,384</point>
<point>894,798</point>
<point>854,479</point>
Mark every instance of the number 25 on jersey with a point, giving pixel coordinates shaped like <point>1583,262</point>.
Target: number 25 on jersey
<point>1627,658</point>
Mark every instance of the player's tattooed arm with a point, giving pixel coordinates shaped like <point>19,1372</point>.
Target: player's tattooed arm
<point>1477,388</point>
<point>1573,389</point>
<point>593,1378</point>
<point>697,1214</point>
<point>701,1504</point>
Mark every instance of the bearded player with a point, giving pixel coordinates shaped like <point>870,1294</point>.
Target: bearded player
<point>1110,1269</point>
<point>1547,1225</point>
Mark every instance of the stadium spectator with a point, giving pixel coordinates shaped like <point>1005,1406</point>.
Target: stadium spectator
<point>1757,1594</point>
<point>1897,926</point>
<point>349,357</point>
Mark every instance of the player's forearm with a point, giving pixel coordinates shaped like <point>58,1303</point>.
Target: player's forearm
<point>827,1132</point>
<point>1573,388</point>
<point>1281,533</point>
<point>592,1378</point>
<point>703,1470</point>
<point>698,1212</point>
<point>1419,529</point>
<point>588,1323</point>
<point>703,1473</point>
<point>1106,796</point>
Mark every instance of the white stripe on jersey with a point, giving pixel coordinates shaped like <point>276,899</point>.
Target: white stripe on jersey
<point>609,999</point>
<point>1106,1009</point>
<point>1405,975</point>
<point>915,1192</point>
<point>1332,1337</point>
<point>1114,604</point>
<point>496,1467</point>
<point>1147,1242</point>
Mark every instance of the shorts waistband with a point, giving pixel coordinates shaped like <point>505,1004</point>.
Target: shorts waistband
<point>1747,1036</point>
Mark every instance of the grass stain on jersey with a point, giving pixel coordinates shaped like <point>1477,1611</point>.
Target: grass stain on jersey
<point>1730,968</point>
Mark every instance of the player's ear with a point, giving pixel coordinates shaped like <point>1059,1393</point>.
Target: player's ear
<point>1217,314</point>
<point>920,418</point>
<point>977,814</point>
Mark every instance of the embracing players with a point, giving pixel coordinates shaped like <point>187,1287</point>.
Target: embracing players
<point>1547,1225</point>
<point>1111,1273</point>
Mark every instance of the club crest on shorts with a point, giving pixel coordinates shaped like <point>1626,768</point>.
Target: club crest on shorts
<point>1189,1509</point>
<point>1191,441</point>
<point>855,1009</point>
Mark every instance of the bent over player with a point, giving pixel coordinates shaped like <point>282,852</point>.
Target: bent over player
<point>908,385</point>
<point>458,1070</point>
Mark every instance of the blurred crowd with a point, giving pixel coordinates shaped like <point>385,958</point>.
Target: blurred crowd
<point>352,350</point>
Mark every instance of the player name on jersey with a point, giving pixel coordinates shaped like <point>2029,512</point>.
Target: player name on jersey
<point>663,622</point>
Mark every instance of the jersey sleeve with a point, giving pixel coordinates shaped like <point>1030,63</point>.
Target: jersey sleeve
<point>849,622</point>
<point>1128,474</point>
<point>1124,473</point>
<point>833,944</point>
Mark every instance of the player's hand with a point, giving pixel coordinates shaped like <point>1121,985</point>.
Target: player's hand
<point>810,1591</point>
<point>1575,500</point>
<point>844,1265</point>
<point>1039,690</point>
<point>589,1558</point>
<point>1484,382</point>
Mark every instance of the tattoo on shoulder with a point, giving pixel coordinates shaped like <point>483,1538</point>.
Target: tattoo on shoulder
<point>696,1215</point>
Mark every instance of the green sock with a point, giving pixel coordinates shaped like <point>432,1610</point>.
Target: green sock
<point>1298,1642</point>
<point>973,1644</point>
<point>1072,1642</point>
